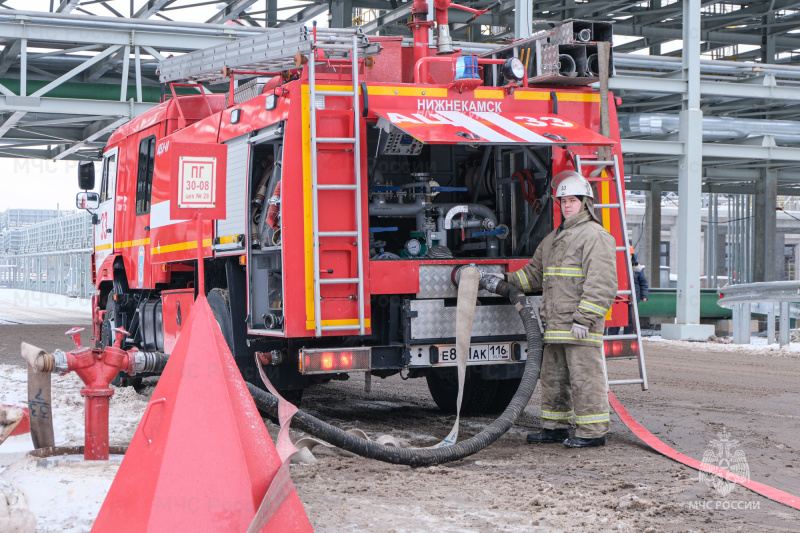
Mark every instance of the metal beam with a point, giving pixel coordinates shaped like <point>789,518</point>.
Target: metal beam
<point>721,150</point>
<point>387,19</point>
<point>9,55</point>
<point>303,15</point>
<point>150,8</point>
<point>231,11</point>
<point>659,31</point>
<point>11,121</point>
<point>67,5</point>
<point>101,67</point>
<point>74,106</point>
<point>656,85</point>
<point>95,131</point>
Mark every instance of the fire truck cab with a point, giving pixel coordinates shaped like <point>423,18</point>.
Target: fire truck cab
<point>357,179</point>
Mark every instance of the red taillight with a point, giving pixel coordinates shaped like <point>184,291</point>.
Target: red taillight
<point>635,347</point>
<point>616,348</point>
<point>607,347</point>
<point>319,360</point>
<point>326,361</point>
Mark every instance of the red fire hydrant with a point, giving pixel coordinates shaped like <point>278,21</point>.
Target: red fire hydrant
<point>96,368</point>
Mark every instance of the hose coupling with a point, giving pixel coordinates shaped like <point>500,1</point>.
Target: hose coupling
<point>61,366</point>
<point>149,362</point>
<point>488,280</point>
<point>274,357</point>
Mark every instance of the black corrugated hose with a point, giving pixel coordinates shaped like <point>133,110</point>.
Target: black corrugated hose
<point>432,456</point>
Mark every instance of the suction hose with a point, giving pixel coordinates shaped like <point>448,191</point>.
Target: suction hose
<point>432,456</point>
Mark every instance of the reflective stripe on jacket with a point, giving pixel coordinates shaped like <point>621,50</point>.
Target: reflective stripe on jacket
<point>576,270</point>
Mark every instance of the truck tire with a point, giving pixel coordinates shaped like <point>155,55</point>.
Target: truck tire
<point>106,327</point>
<point>220,303</point>
<point>122,379</point>
<point>506,388</point>
<point>478,396</point>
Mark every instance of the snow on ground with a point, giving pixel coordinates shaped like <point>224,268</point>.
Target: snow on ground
<point>31,307</point>
<point>125,410</point>
<point>64,493</point>
<point>757,345</point>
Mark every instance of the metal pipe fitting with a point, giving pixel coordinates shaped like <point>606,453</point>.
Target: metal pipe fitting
<point>149,362</point>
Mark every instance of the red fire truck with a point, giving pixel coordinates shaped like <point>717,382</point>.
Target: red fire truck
<point>359,172</point>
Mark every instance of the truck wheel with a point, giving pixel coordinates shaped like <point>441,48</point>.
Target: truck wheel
<point>220,303</point>
<point>506,389</point>
<point>121,379</point>
<point>478,393</point>
<point>107,326</point>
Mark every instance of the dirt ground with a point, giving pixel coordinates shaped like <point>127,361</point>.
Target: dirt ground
<point>48,337</point>
<point>697,390</point>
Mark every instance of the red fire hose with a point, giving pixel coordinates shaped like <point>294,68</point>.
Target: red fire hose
<point>652,441</point>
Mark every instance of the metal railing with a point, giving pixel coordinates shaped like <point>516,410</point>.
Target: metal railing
<point>764,298</point>
<point>42,251</point>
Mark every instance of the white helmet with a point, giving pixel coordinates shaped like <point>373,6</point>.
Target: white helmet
<point>570,183</point>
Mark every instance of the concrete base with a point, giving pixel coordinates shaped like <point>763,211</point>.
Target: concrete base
<point>686,332</point>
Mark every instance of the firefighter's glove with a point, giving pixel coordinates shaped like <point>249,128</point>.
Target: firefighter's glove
<point>579,331</point>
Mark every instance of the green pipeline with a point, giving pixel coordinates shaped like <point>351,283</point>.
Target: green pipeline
<point>662,303</point>
<point>92,91</point>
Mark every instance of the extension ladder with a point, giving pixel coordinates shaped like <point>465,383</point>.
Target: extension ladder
<point>317,189</point>
<point>619,206</point>
<point>274,50</point>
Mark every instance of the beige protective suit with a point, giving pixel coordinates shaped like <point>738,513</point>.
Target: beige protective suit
<point>575,267</point>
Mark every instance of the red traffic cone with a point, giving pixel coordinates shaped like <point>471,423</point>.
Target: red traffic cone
<point>201,458</point>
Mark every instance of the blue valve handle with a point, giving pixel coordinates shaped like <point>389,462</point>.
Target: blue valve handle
<point>498,231</point>
<point>380,230</point>
<point>448,189</point>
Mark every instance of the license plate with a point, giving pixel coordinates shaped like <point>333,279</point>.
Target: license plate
<point>478,353</point>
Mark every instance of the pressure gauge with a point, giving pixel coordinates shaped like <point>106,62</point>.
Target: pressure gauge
<point>413,247</point>
<point>513,69</point>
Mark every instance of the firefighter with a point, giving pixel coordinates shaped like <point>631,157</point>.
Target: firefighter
<point>575,267</point>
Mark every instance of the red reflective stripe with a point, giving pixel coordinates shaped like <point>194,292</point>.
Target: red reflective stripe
<point>651,440</point>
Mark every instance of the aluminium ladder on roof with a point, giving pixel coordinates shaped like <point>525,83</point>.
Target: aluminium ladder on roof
<point>273,50</point>
<point>355,187</point>
<point>619,206</point>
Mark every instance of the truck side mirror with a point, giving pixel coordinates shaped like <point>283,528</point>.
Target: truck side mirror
<point>86,175</point>
<point>87,200</point>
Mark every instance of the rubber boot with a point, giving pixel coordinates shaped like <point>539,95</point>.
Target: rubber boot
<point>547,436</point>
<point>580,442</point>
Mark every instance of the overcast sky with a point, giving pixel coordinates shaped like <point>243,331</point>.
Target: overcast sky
<point>38,184</point>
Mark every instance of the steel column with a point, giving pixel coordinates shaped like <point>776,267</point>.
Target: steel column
<point>771,323</point>
<point>784,324</point>
<point>523,18</point>
<point>690,170</point>
<point>765,225</point>
<point>653,223</point>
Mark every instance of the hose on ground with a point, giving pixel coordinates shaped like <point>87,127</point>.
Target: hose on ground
<point>432,456</point>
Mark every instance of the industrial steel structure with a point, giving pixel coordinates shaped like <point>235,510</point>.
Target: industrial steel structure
<point>71,75</point>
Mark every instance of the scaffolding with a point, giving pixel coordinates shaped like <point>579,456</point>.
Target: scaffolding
<point>47,251</point>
